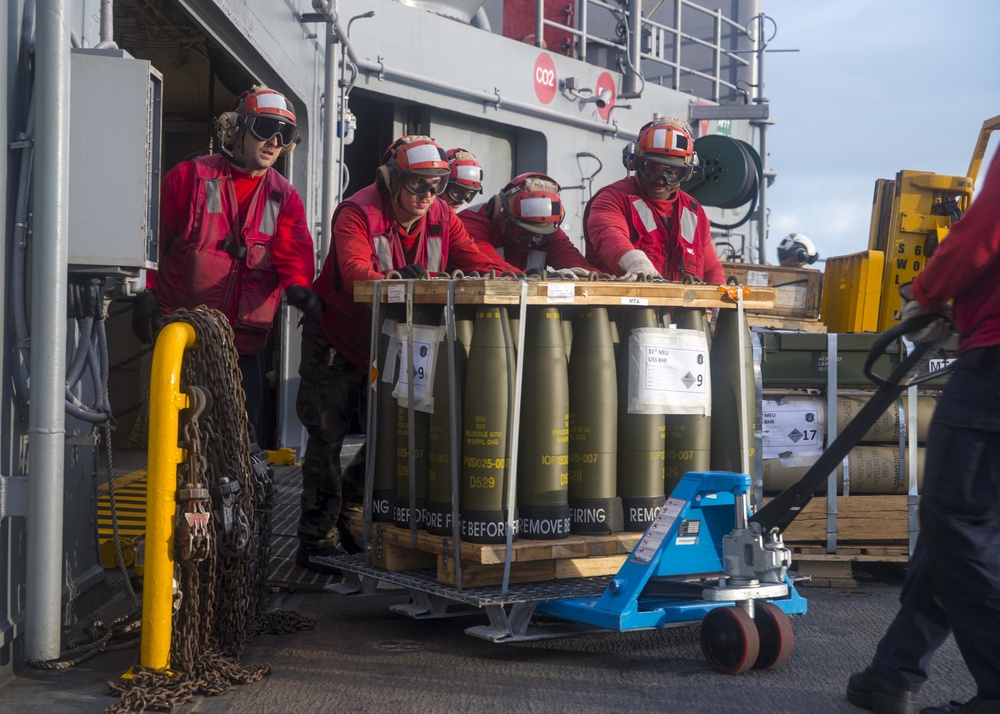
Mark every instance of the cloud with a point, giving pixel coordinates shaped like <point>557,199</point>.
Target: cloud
<point>875,88</point>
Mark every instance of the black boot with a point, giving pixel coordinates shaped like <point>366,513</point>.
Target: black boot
<point>870,690</point>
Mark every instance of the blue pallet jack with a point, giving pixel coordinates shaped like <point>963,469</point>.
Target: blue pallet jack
<point>693,565</point>
<point>706,558</point>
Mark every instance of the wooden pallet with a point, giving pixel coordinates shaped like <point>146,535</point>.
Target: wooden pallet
<point>579,292</point>
<point>778,322</point>
<point>836,570</point>
<point>865,519</point>
<point>531,560</point>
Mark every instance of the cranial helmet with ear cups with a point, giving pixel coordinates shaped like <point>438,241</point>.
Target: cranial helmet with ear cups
<point>265,104</point>
<point>411,154</point>
<point>466,171</point>
<point>532,201</point>
<point>664,140</point>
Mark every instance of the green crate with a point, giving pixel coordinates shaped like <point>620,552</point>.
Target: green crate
<point>800,360</point>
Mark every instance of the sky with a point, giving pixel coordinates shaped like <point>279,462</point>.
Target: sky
<point>876,86</point>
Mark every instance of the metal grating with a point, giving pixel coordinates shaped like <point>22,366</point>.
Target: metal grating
<point>426,581</point>
<point>284,573</point>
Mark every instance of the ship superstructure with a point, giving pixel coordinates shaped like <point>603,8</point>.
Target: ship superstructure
<point>105,97</point>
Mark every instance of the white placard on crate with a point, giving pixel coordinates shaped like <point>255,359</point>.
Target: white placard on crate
<point>793,426</point>
<point>757,278</point>
<point>396,293</point>
<point>560,292</point>
<point>669,372</point>
<point>791,296</point>
<point>426,341</point>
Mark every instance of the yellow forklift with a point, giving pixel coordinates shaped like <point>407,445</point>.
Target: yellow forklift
<point>911,215</point>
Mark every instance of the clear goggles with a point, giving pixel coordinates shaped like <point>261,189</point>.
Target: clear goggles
<point>653,171</point>
<point>265,128</point>
<point>420,185</point>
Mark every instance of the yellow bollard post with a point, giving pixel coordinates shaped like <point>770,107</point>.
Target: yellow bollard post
<point>165,401</point>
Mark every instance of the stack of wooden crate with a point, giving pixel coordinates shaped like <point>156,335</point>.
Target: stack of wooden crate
<point>798,294</point>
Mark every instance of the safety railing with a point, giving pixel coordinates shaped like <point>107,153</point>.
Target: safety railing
<point>165,403</point>
<point>668,46</point>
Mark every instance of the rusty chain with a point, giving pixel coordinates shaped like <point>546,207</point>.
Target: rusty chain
<point>226,496</point>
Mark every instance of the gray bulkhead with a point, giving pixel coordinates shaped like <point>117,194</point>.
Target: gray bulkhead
<point>417,71</point>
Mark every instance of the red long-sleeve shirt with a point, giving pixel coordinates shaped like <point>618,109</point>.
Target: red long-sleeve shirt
<point>966,268</point>
<point>352,257</point>
<point>559,250</point>
<point>355,256</point>
<point>609,233</point>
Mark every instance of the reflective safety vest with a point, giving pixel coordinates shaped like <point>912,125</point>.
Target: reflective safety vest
<point>672,244</point>
<point>214,263</point>
<point>347,324</point>
<point>388,251</point>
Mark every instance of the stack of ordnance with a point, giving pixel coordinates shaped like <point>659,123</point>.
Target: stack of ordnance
<point>873,514</point>
<point>619,395</point>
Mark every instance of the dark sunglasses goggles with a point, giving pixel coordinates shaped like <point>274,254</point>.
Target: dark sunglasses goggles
<point>266,128</point>
<point>653,171</point>
<point>460,194</point>
<point>420,185</point>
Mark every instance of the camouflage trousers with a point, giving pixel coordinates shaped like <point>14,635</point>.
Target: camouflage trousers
<point>331,393</point>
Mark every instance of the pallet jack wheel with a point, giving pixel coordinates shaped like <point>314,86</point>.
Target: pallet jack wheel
<point>774,630</point>
<point>729,640</point>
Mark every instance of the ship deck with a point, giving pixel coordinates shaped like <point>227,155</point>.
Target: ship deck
<point>363,657</point>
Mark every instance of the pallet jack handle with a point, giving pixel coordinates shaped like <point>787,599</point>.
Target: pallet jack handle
<point>779,513</point>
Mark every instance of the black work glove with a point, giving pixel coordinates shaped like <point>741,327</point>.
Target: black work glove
<point>412,271</point>
<point>305,299</point>
<point>146,316</point>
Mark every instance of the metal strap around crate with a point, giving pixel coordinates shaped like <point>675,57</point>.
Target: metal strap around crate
<point>741,325</point>
<point>758,460</point>
<point>374,375</point>
<point>454,399</point>
<point>513,432</point>
<point>411,427</point>
<point>831,426</point>
<point>908,435</point>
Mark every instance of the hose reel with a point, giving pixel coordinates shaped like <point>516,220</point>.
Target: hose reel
<point>730,177</point>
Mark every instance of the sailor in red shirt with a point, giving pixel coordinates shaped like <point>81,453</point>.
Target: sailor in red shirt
<point>522,224</point>
<point>396,223</point>
<point>952,586</point>
<point>644,224</point>
<point>233,234</point>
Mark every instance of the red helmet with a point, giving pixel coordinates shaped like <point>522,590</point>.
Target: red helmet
<point>532,201</point>
<point>466,170</point>
<point>262,100</point>
<point>666,141</point>
<point>416,154</point>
